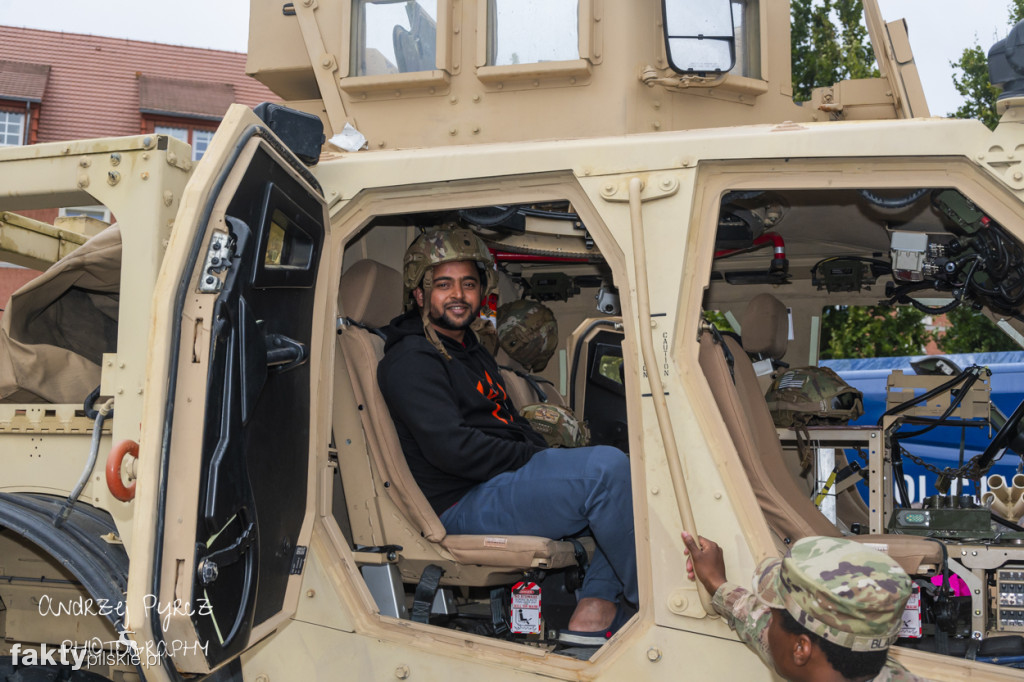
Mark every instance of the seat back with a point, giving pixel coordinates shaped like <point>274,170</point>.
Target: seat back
<point>766,327</point>
<point>788,510</point>
<point>369,293</point>
<point>363,351</point>
<point>766,336</point>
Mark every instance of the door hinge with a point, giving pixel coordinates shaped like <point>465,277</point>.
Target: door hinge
<point>218,259</point>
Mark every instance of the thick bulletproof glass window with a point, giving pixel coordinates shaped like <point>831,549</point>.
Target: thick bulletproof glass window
<point>393,37</point>
<point>746,25</point>
<point>610,367</point>
<point>532,31</point>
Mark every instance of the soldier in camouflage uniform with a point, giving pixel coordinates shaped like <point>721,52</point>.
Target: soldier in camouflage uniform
<point>829,609</point>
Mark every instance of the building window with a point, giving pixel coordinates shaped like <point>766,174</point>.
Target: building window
<point>12,128</point>
<point>176,133</point>
<point>200,142</point>
<point>199,139</point>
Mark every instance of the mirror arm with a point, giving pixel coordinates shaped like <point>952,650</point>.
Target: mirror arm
<point>650,77</point>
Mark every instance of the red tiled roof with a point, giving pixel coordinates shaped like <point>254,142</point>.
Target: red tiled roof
<point>94,83</point>
<point>23,81</point>
<point>174,97</point>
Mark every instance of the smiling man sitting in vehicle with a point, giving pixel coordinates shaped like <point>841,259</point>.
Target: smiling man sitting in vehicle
<point>481,466</point>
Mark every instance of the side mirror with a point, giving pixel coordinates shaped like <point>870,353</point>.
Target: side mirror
<point>699,35</point>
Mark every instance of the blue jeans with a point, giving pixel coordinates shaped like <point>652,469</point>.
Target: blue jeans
<point>558,493</point>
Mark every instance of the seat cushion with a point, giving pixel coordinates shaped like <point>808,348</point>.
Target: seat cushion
<point>512,551</point>
<point>915,555</point>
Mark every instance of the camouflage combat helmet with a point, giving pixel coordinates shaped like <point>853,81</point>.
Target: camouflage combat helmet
<point>558,425</point>
<point>841,590</point>
<point>528,332</point>
<point>447,244</point>
<point>812,395</point>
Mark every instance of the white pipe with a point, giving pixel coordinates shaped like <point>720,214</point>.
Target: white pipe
<point>997,506</point>
<point>997,486</point>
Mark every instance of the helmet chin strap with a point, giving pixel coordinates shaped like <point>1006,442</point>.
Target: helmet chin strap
<point>428,328</point>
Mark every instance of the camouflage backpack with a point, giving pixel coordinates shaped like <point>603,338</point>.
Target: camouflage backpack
<point>812,395</point>
<point>558,425</point>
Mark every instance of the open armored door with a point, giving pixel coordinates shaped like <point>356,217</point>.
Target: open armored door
<point>242,298</point>
<point>597,391</point>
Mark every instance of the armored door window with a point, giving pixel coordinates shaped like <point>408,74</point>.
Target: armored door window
<point>532,31</point>
<point>393,37</point>
<point>746,25</point>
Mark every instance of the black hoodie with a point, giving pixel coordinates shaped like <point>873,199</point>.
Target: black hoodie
<point>456,423</point>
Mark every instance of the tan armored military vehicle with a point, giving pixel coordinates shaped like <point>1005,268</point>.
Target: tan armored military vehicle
<point>199,475</point>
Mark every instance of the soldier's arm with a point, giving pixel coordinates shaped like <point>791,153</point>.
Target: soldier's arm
<point>747,616</point>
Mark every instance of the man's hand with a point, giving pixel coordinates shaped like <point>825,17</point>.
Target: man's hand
<point>705,562</point>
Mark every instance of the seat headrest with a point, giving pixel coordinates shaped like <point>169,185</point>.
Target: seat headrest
<point>766,327</point>
<point>370,293</point>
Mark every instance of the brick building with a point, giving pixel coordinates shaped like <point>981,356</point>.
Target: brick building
<point>65,86</point>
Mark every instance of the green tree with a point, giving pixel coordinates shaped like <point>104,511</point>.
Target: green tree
<point>872,332</point>
<point>718,319</point>
<point>970,78</point>
<point>829,44</point>
<point>972,332</point>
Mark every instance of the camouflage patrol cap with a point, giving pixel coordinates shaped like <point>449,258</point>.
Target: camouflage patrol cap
<point>528,332</point>
<point>843,591</point>
<point>558,425</point>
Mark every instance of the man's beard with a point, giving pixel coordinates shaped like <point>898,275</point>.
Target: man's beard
<point>445,321</point>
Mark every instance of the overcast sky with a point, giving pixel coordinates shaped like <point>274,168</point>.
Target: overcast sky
<point>939,29</point>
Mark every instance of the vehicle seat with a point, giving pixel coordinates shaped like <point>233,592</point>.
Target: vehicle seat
<point>369,293</point>
<point>57,326</point>
<point>766,337</point>
<point>790,514</point>
<point>765,334</point>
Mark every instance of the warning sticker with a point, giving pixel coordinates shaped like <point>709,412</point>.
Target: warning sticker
<point>525,616</point>
<point>911,626</point>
